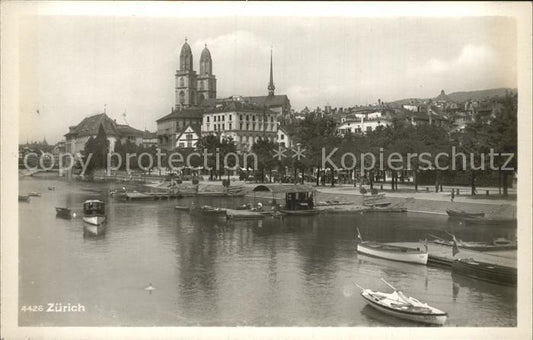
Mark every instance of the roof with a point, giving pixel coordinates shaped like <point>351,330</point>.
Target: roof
<point>195,128</point>
<point>273,100</point>
<point>90,126</point>
<point>126,130</point>
<point>284,188</point>
<point>288,129</point>
<point>191,113</point>
<point>206,55</point>
<point>237,105</point>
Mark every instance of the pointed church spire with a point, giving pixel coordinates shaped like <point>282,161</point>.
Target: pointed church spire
<point>271,86</point>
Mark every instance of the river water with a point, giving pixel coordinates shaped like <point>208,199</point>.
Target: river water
<point>299,271</point>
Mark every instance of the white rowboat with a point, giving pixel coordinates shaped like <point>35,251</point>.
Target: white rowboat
<point>392,252</point>
<point>408,308</point>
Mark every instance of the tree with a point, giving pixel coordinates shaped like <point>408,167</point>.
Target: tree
<point>263,149</point>
<point>95,151</point>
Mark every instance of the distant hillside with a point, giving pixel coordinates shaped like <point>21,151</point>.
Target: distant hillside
<point>460,97</point>
<point>463,96</point>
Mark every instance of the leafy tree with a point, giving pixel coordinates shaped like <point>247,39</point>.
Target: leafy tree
<point>95,151</point>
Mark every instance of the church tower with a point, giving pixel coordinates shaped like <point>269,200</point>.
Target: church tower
<point>207,82</point>
<point>186,82</point>
<point>271,86</point>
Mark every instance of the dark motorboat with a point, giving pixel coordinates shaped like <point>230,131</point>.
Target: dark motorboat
<point>94,217</point>
<point>24,198</point>
<point>65,213</point>
<point>485,271</point>
<point>463,214</point>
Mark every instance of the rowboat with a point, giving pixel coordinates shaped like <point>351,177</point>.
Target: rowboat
<point>490,221</point>
<point>34,194</point>
<point>24,198</point>
<point>94,217</point>
<point>65,213</point>
<point>207,210</point>
<point>303,212</point>
<point>463,214</point>
<point>182,208</point>
<point>399,305</point>
<point>485,271</point>
<point>496,245</point>
<point>393,252</point>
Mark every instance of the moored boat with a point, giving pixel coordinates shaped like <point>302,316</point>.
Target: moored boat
<point>463,214</point>
<point>485,271</point>
<point>24,198</point>
<point>399,305</point>
<point>182,208</point>
<point>94,217</point>
<point>65,213</point>
<point>206,210</point>
<point>496,245</point>
<point>391,252</point>
<point>34,194</point>
<point>306,212</point>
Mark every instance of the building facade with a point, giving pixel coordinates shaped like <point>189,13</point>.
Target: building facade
<point>78,135</point>
<point>240,120</point>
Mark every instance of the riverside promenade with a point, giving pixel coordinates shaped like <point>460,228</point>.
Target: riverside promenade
<point>421,201</point>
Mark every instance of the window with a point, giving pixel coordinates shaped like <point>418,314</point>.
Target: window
<point>240,127</point>
<point>272,119</point>
<point>181,144</point>
<point>253,126</point>
<point>223,118</point>
<point>230,117</point>
<point>182,97</point>
<point>253,118</point>
<point>182,82</point>
<point>240,117</point>
<point>230,125</point>
<point>189,136</point>
<point>208,119</point>
<point>282,137</point>
<point>247,126</point>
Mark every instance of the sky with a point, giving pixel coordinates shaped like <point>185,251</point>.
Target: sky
<point>72,67</point>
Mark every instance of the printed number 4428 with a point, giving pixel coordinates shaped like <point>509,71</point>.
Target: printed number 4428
<point>34,308</point>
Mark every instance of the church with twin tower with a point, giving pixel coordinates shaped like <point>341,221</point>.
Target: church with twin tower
<point>196,100</point>
<point>191,88</point>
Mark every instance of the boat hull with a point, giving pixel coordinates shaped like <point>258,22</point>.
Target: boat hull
<point>485,271</point>
<point>433,319</point>
<point>409,255</point>
<point>64,213</point>
<point>94,229</point>
<point>94,220</point>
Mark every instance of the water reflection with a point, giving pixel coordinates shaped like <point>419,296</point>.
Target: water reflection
<point>295,271</point>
